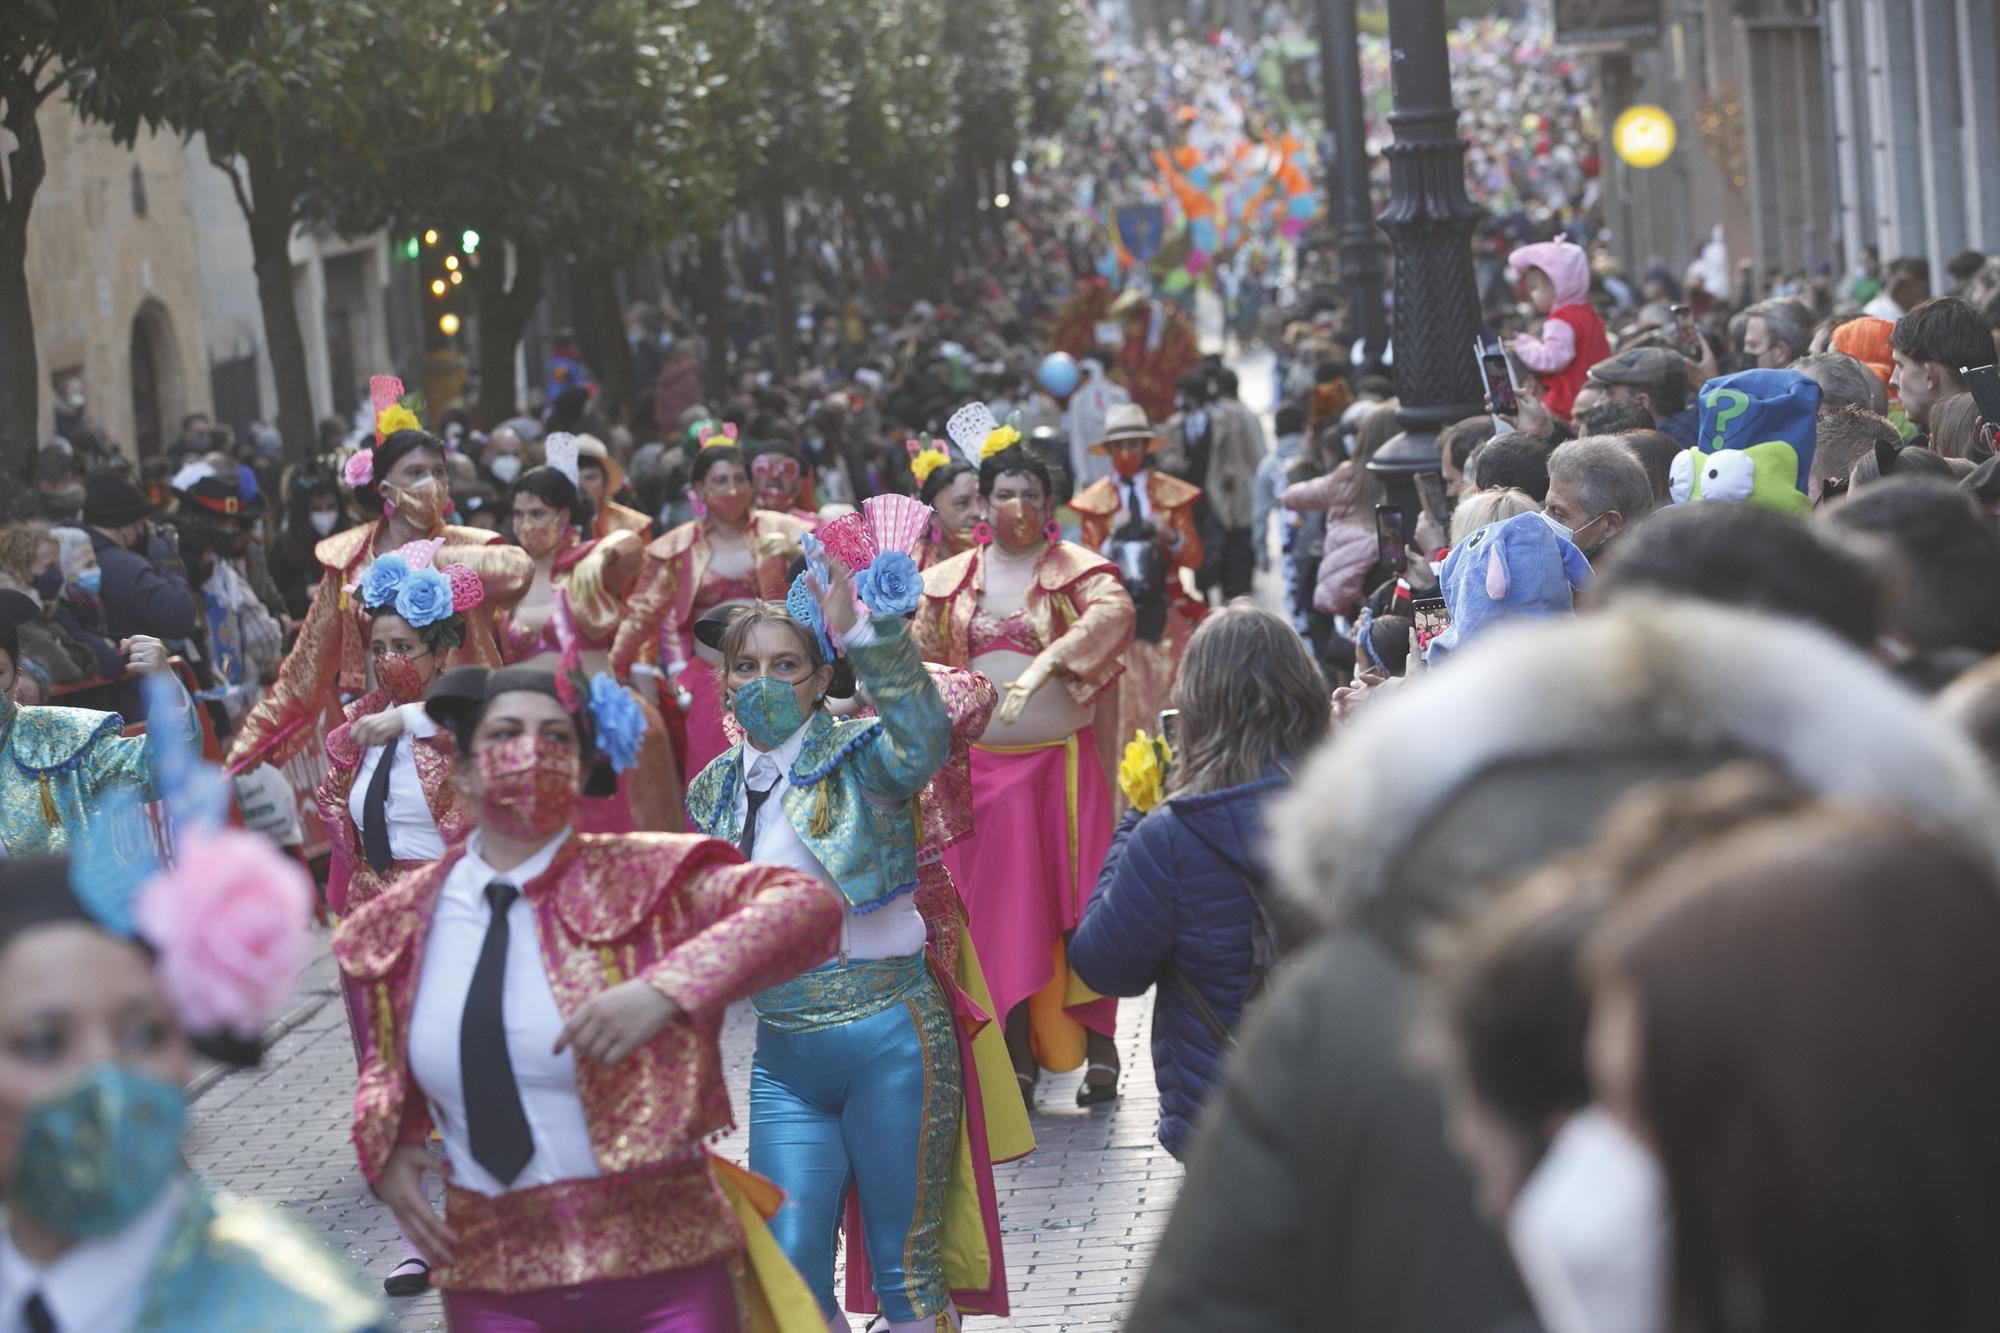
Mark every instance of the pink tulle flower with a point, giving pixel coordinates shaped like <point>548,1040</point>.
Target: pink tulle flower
<point>231,920</point>
<point>467,591</point>
<point>360,469</point>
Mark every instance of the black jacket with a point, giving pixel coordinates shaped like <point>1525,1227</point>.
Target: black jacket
<point>1321,1193</point>
<point>144,597</point>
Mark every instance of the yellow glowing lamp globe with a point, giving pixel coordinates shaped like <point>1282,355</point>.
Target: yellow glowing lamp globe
<point>1643,136</point>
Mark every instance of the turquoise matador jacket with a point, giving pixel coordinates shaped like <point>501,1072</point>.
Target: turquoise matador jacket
<point>61,766</point>
<point>868,846</point>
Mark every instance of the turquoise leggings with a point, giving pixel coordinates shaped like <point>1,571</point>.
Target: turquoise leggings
<point>875,1102</point>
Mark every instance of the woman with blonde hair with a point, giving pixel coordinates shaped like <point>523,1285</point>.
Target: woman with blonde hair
<point>1475,511</point>
<point>31,563</point>
<point>1181,903</point>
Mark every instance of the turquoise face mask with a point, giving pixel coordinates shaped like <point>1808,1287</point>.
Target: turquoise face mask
<point>768,711</point>
<point>97,1152</point>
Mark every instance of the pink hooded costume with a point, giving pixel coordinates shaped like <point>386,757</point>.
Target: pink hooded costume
<point>1573,338</point>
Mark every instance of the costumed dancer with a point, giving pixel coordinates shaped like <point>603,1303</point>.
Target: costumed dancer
<point>393,806</point>
<point>1027,609</point>
<point>566,622</point>
<point>402,479</point>
<point>951,488</point>
<point>907,1141</point>
<point>111,975</point>
<point>64,766</point>
<point>782,483</point>
<point>602,480</point>
<point>550,1001</point>
<point>730,553</point>
<point>1143,520</point>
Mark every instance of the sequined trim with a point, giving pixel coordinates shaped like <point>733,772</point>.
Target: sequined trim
<point>924,1283</point>
<point>604,1228</point>
<point>832,995</point>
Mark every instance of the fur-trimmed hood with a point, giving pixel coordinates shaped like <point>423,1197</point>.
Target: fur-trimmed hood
<point>1512,753</point>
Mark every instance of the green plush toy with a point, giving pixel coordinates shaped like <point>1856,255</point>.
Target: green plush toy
<point>1758,427</point>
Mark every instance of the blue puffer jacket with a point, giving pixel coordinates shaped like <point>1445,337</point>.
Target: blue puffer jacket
<point>1172,893</point>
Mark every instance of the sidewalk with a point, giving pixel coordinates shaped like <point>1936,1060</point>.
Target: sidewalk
<point>1080,1215</point>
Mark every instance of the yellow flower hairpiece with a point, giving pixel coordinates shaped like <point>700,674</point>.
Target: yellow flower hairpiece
<point>1142,771</point>
<point>1006,437</point>
<point>393,418</point>
<point>927,460</point>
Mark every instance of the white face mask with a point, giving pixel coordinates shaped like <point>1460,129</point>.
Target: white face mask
<point>506,467</point>
<point>1567,534</point>
<point>1591,1231</point>
<point>323,521</point>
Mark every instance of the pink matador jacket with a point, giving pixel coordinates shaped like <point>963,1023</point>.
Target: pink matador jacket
<point>683,913</point>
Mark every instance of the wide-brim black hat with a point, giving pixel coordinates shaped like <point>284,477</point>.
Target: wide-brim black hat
<point>709,629</point>
<point>458,698</point>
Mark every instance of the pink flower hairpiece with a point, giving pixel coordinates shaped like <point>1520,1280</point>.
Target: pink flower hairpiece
<point>231,920</point>
<point>713,438</point>
<point>360,469</point>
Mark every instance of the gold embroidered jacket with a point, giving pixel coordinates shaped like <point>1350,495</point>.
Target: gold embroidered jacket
<point>327,659</point>
<point>672,576</point>
<point>1077,605</point>
<point>436,756</point>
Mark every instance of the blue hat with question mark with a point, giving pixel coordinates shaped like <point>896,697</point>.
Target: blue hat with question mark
<point>1755,444</point>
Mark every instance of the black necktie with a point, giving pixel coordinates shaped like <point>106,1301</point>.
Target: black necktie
<point>494,1120</point>
<point>1131,501</point>
<point>746,841</point>
<point>375,812</point>
<point>36,1313</point>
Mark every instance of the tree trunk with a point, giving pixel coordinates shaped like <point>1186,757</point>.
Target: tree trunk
<point>784,297</point>
<point>714,283</point>
<point>20,373</point>
<point>503,315</point>
<point>600,330</point>
<point>268,210</point>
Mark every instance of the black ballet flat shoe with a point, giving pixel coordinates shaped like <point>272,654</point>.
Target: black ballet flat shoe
<point>411,1278</point>
<point>1100,1085</point>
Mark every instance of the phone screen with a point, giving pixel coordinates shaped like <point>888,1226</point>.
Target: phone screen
<point>1431,619</point>
<point>1430,494</point>
<point>1499,389</point>
<point>1984,382</point>
<point>1389,537</point>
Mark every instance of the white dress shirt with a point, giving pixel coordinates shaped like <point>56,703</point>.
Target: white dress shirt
<point>547,1081</point>
<point>413,830</point>
<point>893,930</point>
<point>98,1285</point>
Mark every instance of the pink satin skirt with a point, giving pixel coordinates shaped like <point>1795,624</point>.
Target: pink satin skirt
<point>695,1300</point>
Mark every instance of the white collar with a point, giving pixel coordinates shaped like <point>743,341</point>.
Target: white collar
<point>476,864</point>
<point>98,1283</point>
<point>785,755</point>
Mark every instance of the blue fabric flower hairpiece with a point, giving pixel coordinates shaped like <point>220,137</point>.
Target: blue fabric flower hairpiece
<point>618,721</point>
<point>383,579</point>
<point>424,598</point>
<point>891,585</point>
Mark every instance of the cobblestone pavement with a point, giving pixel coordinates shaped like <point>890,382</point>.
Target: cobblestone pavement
<point>1081,1214</point>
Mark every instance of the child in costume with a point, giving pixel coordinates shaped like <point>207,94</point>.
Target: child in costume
<point>1518,567</point>
<point>858,1073</point>
<point>551,1002</point>
<point>1755,446</point>
<point>1557,277</point>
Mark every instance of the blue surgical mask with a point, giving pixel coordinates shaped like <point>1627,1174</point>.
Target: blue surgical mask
<point>96,1153</point>
<point>90,580</point>
<point>768,711</point>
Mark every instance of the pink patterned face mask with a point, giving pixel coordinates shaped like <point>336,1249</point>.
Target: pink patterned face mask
<point>530,785</point>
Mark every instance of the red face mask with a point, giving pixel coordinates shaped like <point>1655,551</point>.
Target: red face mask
<point>729,506</point>
<point>1017,523</point>
<point>530,784</point>
<point>397,674</point>
<point>539,538</point>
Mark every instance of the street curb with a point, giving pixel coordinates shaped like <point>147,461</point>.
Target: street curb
<point>298,1014</point>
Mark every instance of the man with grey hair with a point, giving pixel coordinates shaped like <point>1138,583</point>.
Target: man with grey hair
<point>1777,332</point>
<point>1843,379</point>
<point>1597,485</point>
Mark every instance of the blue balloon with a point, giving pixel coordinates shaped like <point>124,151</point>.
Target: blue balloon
<point>1058,374</point>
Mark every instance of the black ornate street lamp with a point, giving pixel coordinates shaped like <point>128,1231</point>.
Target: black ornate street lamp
<point>1430,222</point>
<point>1347,183</point>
